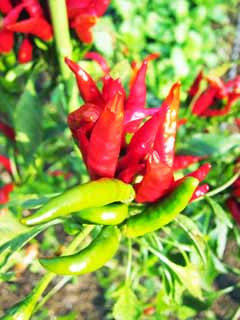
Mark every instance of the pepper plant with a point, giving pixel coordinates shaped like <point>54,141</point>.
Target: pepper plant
<point>142,192</point>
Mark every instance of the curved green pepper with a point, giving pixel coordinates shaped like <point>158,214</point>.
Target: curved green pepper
<point>111,214</point>
<point>161,213</point>
<point>93,257</point>
<point>92,194</point>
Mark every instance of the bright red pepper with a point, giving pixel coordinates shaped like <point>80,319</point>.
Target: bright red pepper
<point>184,161</point>
<point>205,100</point>
<point>4,193</point>
<point>156,180</point>
<point>200,191</point>
<point>33,8</point>
<point>6,129</point>
<point>234,208</point>
<point>166,135</point>
<point>6,41</point>
<point>5,162</point>
<point>82,25</point>
<point>196,84</point>
<point>36,26</point>
<point>87,87</point>
<point>5,6</point>
<point>25,51</point>
<point>105,140</point>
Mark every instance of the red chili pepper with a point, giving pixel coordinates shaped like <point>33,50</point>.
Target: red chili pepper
<point>37,26</point>
<point>234,208</point>
<point>201,172</point>
<point>200,191</point>
<point>128,174</point>
<point>12,15</point>
<point>99,59</point>
<point>6,41</point>
<point>196,84</point>
<point>33,8</point>
<point>5,162</point>
<point>236,192</point>
<point>143,139</point>
<point>217,83</point>
<point>25,51</point>
<point>184,161</point>
<point>111,87</point>
<point>93,7</point>
<point>166,135</point>
<point>82,25</point>
<point>156,181</point>
<point>87,87</point>
<point>6,129</point>
<point>105,140</point>
<point>135,104</point>
<point>5,6</point>
<point>205,100</point>
<point>4,193</point>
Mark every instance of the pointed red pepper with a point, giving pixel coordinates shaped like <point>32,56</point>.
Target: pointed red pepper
<point>200,191</point>
<point>36,26</point>
<point>234,208</point>
<point>6,41</point>
<point>184,161</point>
<point>156,181</point>
<point>86,85</point>
<point>5,162</point>
<point>82,25</point>
<point>111,87</point>
<point>105,140</point>
<point>33,8</point>
<point>4,192</point>
<point>205,100</point>
<point>166,135</point>
<point>25,51</point>
<point>6,129</point>
<point>196,84</point>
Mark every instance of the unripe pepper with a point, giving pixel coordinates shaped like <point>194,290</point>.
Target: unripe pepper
<point>163,212</point>
<point>111,214</point>
<point>91,258</point>
<point>92,194</point>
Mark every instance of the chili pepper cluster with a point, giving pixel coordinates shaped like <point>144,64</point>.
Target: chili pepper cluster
<point>27,17</point>
<point>119,137</point>
<point>217,98</point>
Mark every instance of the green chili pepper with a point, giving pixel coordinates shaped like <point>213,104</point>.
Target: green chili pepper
<point>93,257</point>
<point>92,194</point>
<point>111,214</point>
<point>161,213</point>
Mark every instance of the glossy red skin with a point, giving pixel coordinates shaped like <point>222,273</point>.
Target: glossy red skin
<point>196,84</point>
<point>4,193</point>
<point>105,140</point>
<point>5,162</point>
<point>99,59</point>
<point>25,51</point>
<point>33,8</point>
<point>234,208</point>
<point>5,6</point>
<point>111,87</point>
<point>142,141</point>
<point>166,135</point>
<point>184,161</point>
<point>36,26</point>
<point>82,24</point>
<point>156,181</point>
<point>205,100</point>
<point>200,191</point>
<point>92,7</point>
<point>86,85</point>
<point>6,41</point>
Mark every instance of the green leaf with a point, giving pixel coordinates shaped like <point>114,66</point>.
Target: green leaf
<point>194,233</point>
<point>211,144</point>
<point>127,306</point>
<point>8,248</point>
<point>220,213</point>
<point>28,121</point>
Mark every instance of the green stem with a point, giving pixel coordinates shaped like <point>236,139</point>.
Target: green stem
<point>61,34</point>
<point>129,262</point>
<point>221,188</point>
